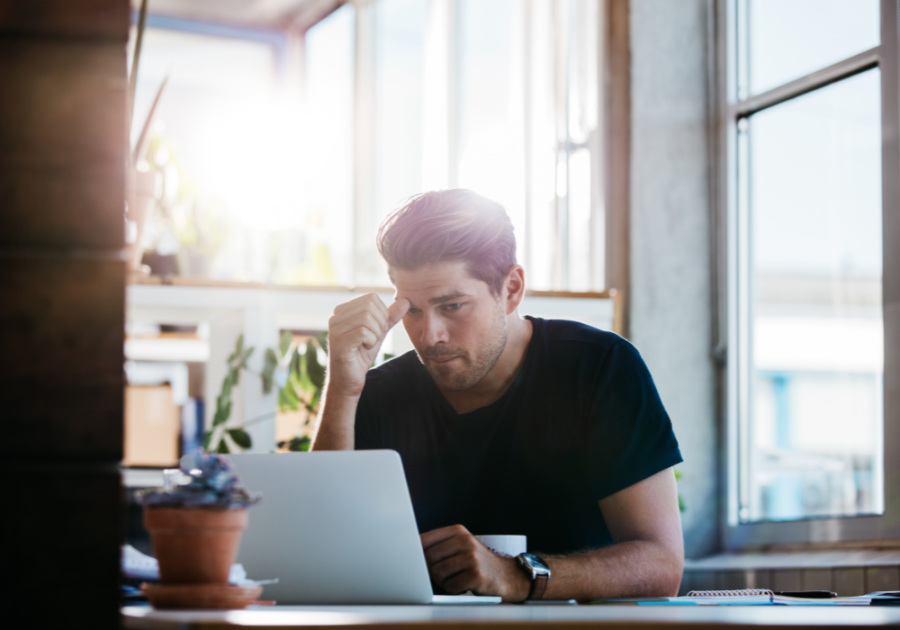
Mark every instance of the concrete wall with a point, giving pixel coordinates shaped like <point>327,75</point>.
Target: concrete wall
<point>670,243</point>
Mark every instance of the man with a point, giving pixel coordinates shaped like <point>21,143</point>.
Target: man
<point>505,425</point>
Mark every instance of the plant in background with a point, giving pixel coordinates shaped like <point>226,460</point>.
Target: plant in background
<point>206,481</point>
<point>300,377</point>
<point>681,505</point>
<point>214,441</point>
<point>299,373</point>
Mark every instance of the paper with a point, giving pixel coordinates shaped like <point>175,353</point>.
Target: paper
<point>140,566</point>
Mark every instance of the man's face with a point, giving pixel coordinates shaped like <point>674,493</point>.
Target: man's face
<point>456,324</point>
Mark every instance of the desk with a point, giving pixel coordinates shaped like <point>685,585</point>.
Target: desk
<point>508,617</point>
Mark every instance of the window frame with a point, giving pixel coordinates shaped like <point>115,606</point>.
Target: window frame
<point>730,236</point>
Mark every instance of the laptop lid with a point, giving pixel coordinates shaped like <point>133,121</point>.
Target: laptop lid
<point>334,527</point>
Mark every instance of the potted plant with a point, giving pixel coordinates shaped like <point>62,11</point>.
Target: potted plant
<point>195,525</point>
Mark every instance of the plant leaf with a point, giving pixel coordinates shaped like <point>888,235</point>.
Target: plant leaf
<point>287,399</point>
<point>226,387</point>
<point>322,339</point>
<point>222,447</point>
<point>240,437</point>
<point>315,401</point>
<point>299,444</point>
<point>244,357</point>
<point>295,363</point>
<point>284,344</point>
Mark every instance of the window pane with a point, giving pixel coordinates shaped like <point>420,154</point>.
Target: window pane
<point>790,38</point>
<point>329,102</point>
<point>399,88</point>
<point>209,145</point>
<point>490,144</point>
<point>814,442</point>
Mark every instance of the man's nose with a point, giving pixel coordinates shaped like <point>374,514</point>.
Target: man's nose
<point>433,330</point>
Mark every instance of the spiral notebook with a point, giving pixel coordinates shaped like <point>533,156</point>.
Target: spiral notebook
<point>743,597</point>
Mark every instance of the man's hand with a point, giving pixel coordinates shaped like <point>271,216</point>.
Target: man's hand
<point>355,334</point>
<point>459,562</point>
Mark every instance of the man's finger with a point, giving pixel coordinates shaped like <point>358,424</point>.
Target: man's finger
<point>452,566</point>
<point>446,549</point>
<point>462,582</point>
<point>364,337</point>
<point>350,310</point>
<point>435,536</point>
<point>364,319</point>
<point>396,311</point>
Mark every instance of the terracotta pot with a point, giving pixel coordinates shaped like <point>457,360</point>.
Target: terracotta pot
<point>195,545</point>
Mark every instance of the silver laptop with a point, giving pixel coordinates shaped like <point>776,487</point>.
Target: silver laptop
<point>335,528</point>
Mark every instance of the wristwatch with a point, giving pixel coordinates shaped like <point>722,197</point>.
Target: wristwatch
<point>539,572</point>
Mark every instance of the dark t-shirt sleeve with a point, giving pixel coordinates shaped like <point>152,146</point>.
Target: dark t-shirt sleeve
<point>631,435</point>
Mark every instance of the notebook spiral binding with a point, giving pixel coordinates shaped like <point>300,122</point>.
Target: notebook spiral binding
<point>747,592</point>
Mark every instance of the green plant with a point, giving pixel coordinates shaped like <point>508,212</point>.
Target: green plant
<point>296,369</point>
<point>214,441</point>
<point>300,377</point>
<point>681,504</point>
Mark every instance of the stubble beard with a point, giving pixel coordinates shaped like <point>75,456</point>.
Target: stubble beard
<point>457,378</point>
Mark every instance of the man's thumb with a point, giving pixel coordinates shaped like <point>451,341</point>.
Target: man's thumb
<point>396,311</point>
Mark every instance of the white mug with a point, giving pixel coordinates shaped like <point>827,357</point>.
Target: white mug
<point>505,545</point>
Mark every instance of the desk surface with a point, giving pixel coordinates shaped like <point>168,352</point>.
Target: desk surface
<point>511,616</point>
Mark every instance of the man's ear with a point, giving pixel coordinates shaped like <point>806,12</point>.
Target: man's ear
<point>514,286</point>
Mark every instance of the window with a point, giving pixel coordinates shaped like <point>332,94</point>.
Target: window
<point>279,153</point>
<point>808,138</point>
<point>499,96</point>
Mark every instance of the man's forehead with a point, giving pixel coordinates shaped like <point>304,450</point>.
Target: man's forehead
<point>436,280</point>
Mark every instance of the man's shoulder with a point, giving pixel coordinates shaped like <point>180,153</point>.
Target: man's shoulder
<point>564,331</point>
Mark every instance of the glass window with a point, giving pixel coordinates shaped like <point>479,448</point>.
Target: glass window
<point>399,74</point>
<point>528,112</point>
<point>281,174</point>
<point>490,135</point>
<point>328,233</point>
<point>220,171</point>
<point>810,330</point>
<point>788,39</point>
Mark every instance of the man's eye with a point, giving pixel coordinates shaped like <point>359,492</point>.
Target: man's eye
<point>413,311</point>
<point>452,307</point>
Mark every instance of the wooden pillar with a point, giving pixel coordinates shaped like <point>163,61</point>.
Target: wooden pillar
<point>618,155</point>
<point>62,189</point>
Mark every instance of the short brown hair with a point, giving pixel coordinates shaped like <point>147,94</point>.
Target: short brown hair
<point>450,225</point>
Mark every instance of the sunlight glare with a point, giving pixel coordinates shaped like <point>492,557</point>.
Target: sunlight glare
<point>254,160</point>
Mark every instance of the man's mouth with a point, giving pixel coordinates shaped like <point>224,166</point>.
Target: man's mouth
<point>441,360</point>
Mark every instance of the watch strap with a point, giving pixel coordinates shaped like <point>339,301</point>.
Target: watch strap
<point>538,586</point>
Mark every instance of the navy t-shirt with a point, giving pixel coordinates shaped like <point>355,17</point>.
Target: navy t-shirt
<point>581,421</point>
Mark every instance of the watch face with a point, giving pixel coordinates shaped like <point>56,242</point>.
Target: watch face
<point>537,565</point>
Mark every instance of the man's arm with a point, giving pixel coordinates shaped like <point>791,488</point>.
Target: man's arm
<point>646,559</point>
<point>355,334</point>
